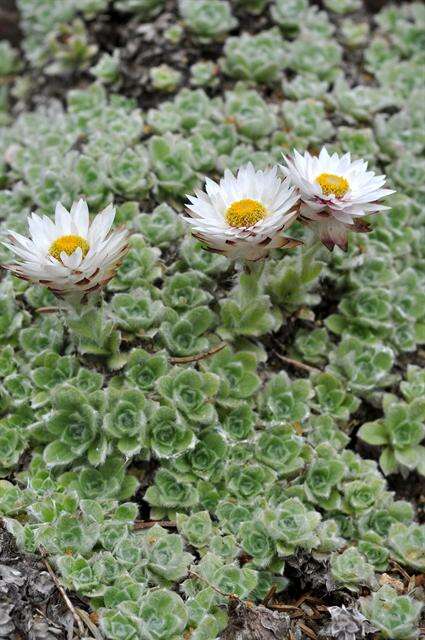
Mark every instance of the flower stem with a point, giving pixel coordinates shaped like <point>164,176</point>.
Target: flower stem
<point>254,268</point>
<point>307,255</point>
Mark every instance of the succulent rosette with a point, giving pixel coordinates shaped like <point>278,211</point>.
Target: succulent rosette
<point>69,255</point>
<point>244,216</point>
<point>336,193</point>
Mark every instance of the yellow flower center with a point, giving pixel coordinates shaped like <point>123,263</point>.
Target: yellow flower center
<point>245,213</point>
<point>331,183</point>
<point>68,244</point>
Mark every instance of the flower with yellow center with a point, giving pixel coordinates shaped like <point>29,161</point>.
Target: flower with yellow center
<point>336,193</point>
<point>243,216</point>
<point>69,255</point>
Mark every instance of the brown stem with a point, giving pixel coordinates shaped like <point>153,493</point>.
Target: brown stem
<point>47,310</point>
<point>298,364</point>
<point>269,595</point>
<point>308,632</point>
<point>400,570</point>
<point>283,607</point>
<point>140,524</point>
<point>90,624</point>
<point>232,596</point>
<point>49,620</point>
<point>61,590</point>
<point>199,356</point>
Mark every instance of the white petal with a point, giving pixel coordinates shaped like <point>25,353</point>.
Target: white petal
<point>72,261</point>
<point>62,220</point>
<point>80,216</point>
<point>101,225</point>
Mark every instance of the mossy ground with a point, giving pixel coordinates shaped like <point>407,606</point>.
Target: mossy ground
<point>68,132</point>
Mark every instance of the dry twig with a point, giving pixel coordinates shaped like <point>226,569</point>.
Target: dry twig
<point>400,570</point>
<point>140,524</point>
<point>309,598</point>
<point>199,356</point>
<point>283,607</point>
<point>269,595</point>
<point>232,596</point>
<point>90,624</point>
<point>298,364</point>
<point>62,591</point>
<point>47,309</point>
<point>308,632</point>
<point>49,620</point>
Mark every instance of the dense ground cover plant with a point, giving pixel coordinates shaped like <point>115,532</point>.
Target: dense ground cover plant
<point>270,419</point>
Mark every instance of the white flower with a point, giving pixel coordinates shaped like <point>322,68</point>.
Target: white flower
<point>69,255</point>
<point>243,216</point>
<point>335,193</point>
